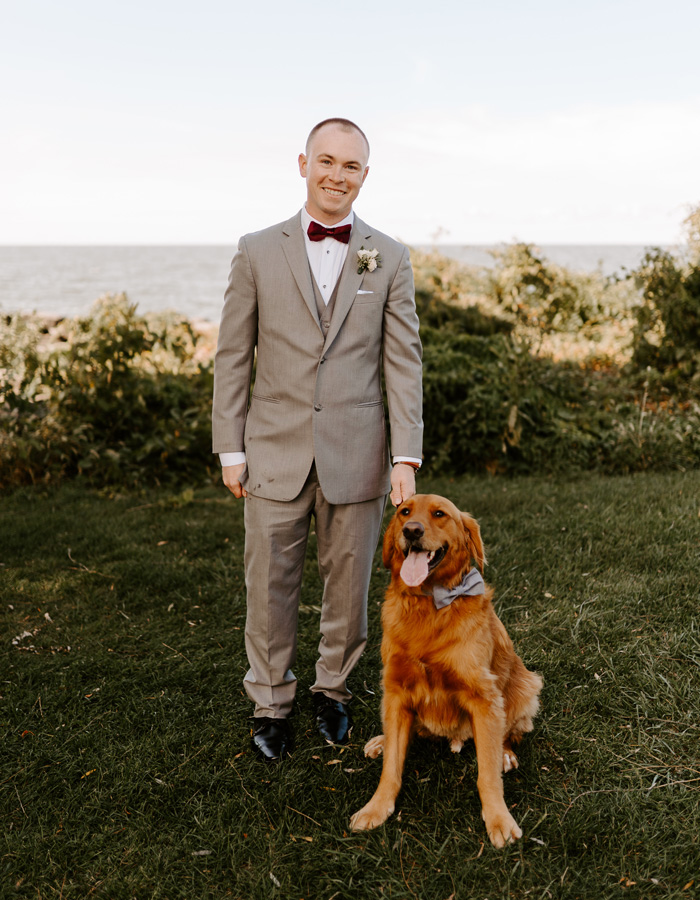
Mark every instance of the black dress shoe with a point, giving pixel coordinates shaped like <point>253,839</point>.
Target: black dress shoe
<point>333,719</point>
<point>272,738</point>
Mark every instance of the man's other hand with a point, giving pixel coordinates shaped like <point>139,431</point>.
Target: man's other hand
<point>403,483</point>
<point>232,479</point>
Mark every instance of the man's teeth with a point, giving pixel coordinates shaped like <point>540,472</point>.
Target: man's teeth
<point>333,193</point>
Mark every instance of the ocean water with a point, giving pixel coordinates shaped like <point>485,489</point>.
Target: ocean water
<point>66,281</point>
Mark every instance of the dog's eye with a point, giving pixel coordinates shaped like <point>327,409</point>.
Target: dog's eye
<point>405,511</point>
<point>438,513</point>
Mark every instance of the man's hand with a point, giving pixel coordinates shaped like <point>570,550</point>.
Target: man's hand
<point>403,483</point>
<point>232,479</point>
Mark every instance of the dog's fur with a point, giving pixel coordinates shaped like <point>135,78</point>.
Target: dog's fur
<point>450,672</point>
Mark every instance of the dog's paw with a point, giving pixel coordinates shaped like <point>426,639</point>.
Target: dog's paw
<point>375,746</point>
<point>371,816</point>
<point>502,828</point>
<point>510,760</point>
<point>456,746</point>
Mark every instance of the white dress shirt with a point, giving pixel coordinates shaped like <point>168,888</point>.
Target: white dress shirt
<point>326,258</point>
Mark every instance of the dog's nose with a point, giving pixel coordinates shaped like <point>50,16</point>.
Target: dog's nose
<point>413,531</point>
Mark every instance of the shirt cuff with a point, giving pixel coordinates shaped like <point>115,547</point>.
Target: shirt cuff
<point>232,459</point>
<point>408,459</point>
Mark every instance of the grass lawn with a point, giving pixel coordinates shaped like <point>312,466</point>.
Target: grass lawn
<point>125,762</point>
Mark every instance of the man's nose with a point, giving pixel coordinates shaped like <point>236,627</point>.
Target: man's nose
<point>337,174</point>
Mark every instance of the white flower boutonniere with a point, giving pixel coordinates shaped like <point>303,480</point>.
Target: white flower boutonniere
<point>368,260</point>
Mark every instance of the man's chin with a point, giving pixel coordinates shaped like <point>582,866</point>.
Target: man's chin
<point>330,217</point>
<point>330,209</point>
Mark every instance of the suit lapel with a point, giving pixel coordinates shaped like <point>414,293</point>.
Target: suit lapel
<point>295,251</point>
<point>350,280</point>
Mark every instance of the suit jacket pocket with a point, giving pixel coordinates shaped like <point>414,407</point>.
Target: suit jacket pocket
<point>266,399</point>
<point>379,402</point>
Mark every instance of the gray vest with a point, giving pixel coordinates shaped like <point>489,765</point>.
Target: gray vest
<point>325,310</point>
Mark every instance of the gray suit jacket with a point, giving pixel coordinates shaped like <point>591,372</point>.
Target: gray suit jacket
<point>317,398</point>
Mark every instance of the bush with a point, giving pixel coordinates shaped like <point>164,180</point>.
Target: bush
<point>117,398</point>
<point>667,331</point>
<point>490,404</point>
<point>121,398</point>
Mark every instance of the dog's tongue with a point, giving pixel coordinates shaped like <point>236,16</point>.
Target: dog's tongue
<point>414,570</point>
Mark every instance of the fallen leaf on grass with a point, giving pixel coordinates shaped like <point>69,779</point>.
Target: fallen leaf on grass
<point>21,637</point>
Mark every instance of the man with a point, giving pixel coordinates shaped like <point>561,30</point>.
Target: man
<point>325,302</point>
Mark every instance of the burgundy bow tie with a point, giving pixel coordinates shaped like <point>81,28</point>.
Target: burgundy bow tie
<point>318,232</point>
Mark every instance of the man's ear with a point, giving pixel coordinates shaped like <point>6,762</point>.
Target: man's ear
<point>302,165</point>
<point>473,535</point>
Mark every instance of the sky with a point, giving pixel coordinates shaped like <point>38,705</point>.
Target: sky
<point>175,122</point>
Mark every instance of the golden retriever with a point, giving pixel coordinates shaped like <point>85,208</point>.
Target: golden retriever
<point>449,667</point>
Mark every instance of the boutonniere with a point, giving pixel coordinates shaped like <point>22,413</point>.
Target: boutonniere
<point>368,260</point>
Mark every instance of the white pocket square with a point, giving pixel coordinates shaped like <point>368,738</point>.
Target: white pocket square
<point>365,292</point>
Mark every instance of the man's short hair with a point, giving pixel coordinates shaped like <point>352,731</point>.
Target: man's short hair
<point>344,124</point>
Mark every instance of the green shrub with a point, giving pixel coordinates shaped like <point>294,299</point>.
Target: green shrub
<point>121,399</point>
<point>495,400</point>
<point>490,404</point>
<point>667,331</point>
<point>544,298</point>
<point>117,398</point>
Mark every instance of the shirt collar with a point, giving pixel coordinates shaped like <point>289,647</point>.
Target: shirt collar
<point>306,220</point>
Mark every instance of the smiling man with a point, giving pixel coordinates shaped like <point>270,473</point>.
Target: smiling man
<point>332,182</point>
<point>324,304</point>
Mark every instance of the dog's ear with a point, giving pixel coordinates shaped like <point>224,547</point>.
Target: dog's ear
<point>473,534</point>
<point>388,548</point>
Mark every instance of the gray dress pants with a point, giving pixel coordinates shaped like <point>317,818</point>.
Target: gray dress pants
<point>275,547</point>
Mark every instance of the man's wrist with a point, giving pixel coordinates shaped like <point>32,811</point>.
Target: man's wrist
<point>413,463</point>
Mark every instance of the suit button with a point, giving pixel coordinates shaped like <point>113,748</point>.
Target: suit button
<point>323,359</point>
<point>318,407</point>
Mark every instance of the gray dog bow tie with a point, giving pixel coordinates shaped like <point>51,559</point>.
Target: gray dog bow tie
<point>471,586</point>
